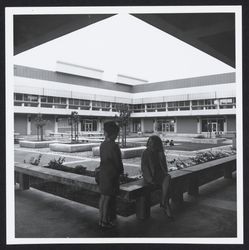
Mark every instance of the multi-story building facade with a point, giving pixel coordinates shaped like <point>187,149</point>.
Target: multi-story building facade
<point>187,106</point>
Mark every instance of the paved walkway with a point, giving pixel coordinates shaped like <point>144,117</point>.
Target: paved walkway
<point>213,214</point>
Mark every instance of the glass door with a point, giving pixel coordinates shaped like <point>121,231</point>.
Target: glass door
<point>164,127</point>
<point>214,126</point>
<point>88,127</point>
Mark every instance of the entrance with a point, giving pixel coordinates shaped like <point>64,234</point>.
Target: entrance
<point>214,126</point>
<point>165,127</point>
<point>136,126</point>
<point>88,127</point>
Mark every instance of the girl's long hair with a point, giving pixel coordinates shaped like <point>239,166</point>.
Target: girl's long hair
<point>154,143</point>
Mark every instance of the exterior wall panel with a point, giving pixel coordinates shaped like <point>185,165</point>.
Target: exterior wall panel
<point>148,125</point>
<point>231,123</point>
<point>20,124</point>
<point>186,125</point>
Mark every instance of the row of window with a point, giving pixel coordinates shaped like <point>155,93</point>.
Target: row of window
<point>61,102</point>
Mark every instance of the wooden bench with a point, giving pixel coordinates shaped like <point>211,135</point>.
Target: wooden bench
<point>134,197</point>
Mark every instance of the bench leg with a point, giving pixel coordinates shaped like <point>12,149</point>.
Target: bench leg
<point>16,176</point>
<point>177,199</point>
<point>193,188</point>
<point>24,181</point>
<point>143,207</point>
<point>228,172</point>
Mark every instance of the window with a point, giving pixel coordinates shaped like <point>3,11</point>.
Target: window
<point>151,107</point>
<point>31,98</point>
<point>73,103</point>
<point>115,106</point>
<point>184,105</point>
<point>227,103</point>
<point>50,99</point>
<point>161,106</point>
<point>18,97</point>
<point>197,104</point>
<point>138,108</point>
<point>97,105</point>
<point>172,106</point>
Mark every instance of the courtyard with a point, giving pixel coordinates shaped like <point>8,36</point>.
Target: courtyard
<point>43,214</point>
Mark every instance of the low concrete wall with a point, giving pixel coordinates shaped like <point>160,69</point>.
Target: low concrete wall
<point>62,147</point>
<point>36,144</point>
<point>208,141</point>
<point>125,152</point>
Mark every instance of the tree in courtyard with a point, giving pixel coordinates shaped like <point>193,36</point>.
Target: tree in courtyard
<point>73,121</point>
<point>122,119</point>
<point>40,123</point>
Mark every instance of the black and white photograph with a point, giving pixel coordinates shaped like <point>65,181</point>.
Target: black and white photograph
<point>124,124</point>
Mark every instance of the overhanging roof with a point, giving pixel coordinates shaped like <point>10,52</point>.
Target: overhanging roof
<point>213,33</point>
<point>123,44</point>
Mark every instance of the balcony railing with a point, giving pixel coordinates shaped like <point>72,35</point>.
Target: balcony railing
<point>112,107</point>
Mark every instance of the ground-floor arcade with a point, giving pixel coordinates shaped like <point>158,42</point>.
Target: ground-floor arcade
<point>24,124</point>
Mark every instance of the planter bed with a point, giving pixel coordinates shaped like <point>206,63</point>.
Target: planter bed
<point>125,152</point>
<point>36,144</point>
<point>134,196</point>
<point>78,147</point>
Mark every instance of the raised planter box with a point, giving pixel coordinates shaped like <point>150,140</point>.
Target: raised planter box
<point>36,144</point>
<point>125,152</point>
<point>134,197</point>
<point>63,147</point>
<point>208,141</point>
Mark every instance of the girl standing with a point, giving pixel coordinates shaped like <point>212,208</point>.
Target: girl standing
<point>111,167</point>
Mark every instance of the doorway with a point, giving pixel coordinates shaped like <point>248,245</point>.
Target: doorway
<point>88,127</point>
<point>214,126</point>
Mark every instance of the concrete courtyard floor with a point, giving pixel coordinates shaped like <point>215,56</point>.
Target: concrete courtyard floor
<point>212,214</point>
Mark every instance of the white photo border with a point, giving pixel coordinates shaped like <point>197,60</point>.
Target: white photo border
<point>9,48</point>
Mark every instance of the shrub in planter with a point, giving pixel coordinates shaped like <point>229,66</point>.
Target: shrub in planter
<point>56,164</point>
<point>34,161</point>
<point>80,170</point>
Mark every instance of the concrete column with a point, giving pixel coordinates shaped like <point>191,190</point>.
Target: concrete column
<point>28,125</point>
<point>217,103</point>
<point>131,125</point>
<point>67,102</point>
<point>79,126</point>
<point>175,127</point>
<point>225,124</point>
<point>142,125</point>
<point>198,125</point>
<point>155,125</point>
<point>99,125</point>
<point>56,124</point>
<point>39,101</point>
<point>91,105</point>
